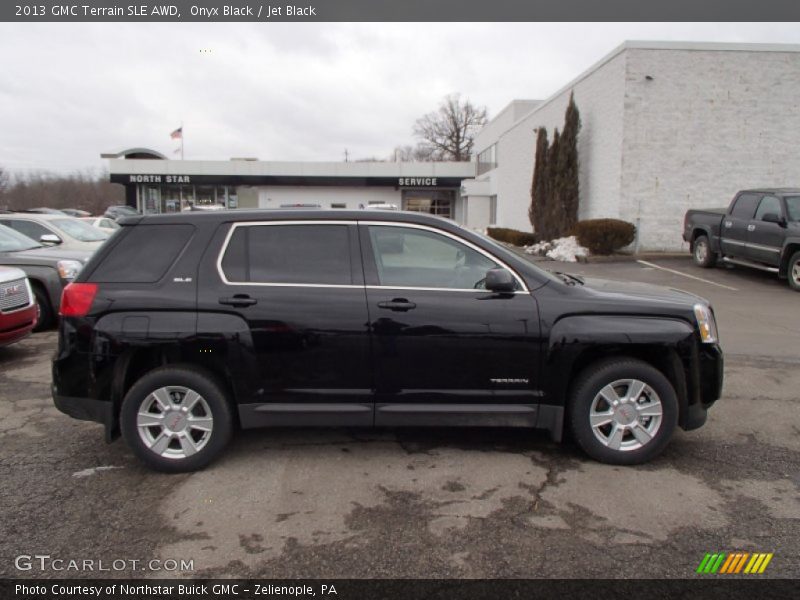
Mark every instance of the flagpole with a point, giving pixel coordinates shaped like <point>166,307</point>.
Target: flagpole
<point>181,140</point>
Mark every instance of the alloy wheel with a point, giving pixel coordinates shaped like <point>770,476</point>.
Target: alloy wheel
<point>174,422</point>
<point>626,415</point>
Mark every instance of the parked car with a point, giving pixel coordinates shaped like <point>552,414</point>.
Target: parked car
<point>48,269</point>
<point>106,224</point>
<point>277,317</point>
<point>68,232</point>
<point>760,229</point>
<point>43,211</point>
<point>18,309</point>
<point>76,212</point>
<point>121,210</point>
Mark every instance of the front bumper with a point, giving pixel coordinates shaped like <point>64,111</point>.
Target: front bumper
<point>16,325</point>
<point>706,385</point>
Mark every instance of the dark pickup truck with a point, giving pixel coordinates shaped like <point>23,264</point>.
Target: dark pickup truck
<point>760,229</point>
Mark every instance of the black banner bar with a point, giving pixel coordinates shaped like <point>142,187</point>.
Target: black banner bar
<point>399,10</point>
<point>710,587</point>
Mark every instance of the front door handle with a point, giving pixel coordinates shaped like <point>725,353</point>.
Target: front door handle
<point>397,304</point>
<point>239,300</point>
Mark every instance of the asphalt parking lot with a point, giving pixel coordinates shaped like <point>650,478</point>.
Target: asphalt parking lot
<point>428,503</point>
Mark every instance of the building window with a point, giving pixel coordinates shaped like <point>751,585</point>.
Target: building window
<point>432,202</point>
<point>487,159</point>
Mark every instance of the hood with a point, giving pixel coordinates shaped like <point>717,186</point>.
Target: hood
<point>51,254</point>
<point>644,291</point>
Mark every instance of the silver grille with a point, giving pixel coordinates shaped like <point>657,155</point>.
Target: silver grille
<point>14,295</point>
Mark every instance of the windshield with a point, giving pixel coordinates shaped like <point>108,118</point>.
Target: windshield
<point>11,241</point>
<point>793,208</point>
<point>80,230</point>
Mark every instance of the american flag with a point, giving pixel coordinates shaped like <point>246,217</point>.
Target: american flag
<point>177,134</point>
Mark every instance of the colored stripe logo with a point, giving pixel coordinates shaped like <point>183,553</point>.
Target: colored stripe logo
<point>734,562</point>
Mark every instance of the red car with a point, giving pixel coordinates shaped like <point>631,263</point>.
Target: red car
<point>18,309</point>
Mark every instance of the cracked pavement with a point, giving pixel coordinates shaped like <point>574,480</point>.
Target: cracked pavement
<point>429,503</point>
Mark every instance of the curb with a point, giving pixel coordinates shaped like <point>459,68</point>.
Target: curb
<point>633,257</point>
<point>612,258</point>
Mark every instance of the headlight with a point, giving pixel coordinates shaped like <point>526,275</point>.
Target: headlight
<point>69,269</point>
<point>706,324</point>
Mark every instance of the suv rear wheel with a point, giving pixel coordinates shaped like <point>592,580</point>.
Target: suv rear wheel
<point>176,419</point>
<point>623,411</point>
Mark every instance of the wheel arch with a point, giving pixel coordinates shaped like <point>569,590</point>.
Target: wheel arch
<point>790,247</point>
<point>578,342</point>
<point>136,362</point>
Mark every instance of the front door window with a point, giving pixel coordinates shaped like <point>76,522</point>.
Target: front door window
<point>406,257</point>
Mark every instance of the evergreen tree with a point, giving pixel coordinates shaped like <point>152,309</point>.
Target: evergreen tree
<point>552,210</point>
<point>555,188</point>
<point>567,195</point>
<point>539,184</point>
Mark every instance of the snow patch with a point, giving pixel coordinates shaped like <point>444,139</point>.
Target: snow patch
<point>566,249</point>
<point>93,471</point>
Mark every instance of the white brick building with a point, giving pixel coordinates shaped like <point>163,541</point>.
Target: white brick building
<point>665,127</point>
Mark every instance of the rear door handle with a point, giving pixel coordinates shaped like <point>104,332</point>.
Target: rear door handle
<point>239,300</point>
<point>397,304</point>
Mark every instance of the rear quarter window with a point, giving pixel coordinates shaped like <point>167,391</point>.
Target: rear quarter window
<point>144,255</point>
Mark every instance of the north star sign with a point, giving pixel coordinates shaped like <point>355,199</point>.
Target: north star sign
<point>160,179</point>
<point>417,181</point>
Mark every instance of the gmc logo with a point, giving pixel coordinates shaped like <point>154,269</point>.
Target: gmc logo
<point>14,290</point>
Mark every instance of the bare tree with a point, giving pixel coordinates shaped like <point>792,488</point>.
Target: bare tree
<point>86,190</point>
<point>449,132</point>
<point>4,181</point>
<point>409,153</point>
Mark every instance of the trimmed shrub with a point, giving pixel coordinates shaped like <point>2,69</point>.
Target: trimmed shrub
<point>604,236</point>
<point>512,236</point>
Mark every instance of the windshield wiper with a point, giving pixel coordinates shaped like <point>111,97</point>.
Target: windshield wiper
<point>568,278</point>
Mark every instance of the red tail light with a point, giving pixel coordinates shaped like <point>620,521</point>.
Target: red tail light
<point>76,299</point>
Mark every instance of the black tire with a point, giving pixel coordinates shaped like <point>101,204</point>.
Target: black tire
<point>140,398</point>
<point>793,271</point>
<point>588,387</point>
<point>46,314</point>
<point>702,254</point>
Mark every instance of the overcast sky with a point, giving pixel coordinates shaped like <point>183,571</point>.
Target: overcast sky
<point>283,91</point>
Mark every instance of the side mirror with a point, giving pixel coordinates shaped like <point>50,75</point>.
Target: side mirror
<point>499,280</point>
<point>774,218</point>
<point>50,238</point>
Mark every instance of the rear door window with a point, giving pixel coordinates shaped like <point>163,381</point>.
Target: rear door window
<point>144,255</point>
<point>289,254</point>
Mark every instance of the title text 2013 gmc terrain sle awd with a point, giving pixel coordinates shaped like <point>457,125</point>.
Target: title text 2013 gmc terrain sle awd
<point>184,327</point>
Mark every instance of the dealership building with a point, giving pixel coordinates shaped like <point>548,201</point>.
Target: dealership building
<point>154,184</point>
<point>665,127</point>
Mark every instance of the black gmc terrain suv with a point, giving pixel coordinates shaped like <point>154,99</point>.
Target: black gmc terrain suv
<point>183,327</point>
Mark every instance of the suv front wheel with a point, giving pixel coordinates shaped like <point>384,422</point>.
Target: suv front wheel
<point>176,419</point>
<point>623,411</point>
